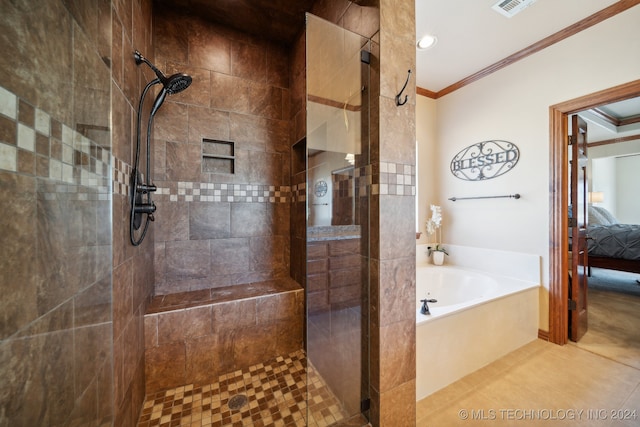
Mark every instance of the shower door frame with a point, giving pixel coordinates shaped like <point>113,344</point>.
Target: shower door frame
<point>363,160</point>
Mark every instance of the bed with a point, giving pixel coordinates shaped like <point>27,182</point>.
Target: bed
<point>612,245</point>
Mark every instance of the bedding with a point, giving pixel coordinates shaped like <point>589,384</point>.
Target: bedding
<point>612,245</point>
<point>615,241</point>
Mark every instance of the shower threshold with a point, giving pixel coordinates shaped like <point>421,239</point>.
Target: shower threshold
<point>272,393</point>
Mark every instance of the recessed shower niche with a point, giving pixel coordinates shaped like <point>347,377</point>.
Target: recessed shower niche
<point>218,156</point>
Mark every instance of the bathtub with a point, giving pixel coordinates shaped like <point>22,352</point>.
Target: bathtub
<point>478,318</point>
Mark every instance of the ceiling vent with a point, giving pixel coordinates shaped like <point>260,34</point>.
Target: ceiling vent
<point>510,8</point>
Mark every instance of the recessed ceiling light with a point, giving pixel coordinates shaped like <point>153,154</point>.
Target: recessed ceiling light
<point>426,42</point>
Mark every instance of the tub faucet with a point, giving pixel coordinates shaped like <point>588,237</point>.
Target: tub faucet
<point>425,307</point>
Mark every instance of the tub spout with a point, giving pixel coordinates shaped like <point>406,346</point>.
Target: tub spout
<point>425,307</point>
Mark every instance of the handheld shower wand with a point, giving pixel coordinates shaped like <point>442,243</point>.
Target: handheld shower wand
<point>170,85</point>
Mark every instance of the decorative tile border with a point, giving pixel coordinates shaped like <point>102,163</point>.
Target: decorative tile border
<point>38,145</point>
<point>223,192</point>
<point>121,177</point>
<point>396,179</point>
<point>393,179</point>
<point>299,192</point>
<point>35,144</point>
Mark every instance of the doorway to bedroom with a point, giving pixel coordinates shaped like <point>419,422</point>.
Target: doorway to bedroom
<point>612,305</point>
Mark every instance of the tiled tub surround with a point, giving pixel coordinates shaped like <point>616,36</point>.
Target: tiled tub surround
<point>193,337</point>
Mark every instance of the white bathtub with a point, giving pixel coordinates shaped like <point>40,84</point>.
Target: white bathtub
<point>479,317</point>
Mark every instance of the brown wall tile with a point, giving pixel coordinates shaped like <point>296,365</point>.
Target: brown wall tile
<point>268,254</point>
<point>207,123</point>
<point>249,220</point>
<point>150,331</point>
<point>248,61</point>
<point>171,36</point>
<point>209,220</point>
<point>229,256</point>
<point>43,386</point>
<point>245,350</point>
<point>398,406</point>
<point>396,130</point>
<point>17,225</point>
<point>165,366</point>
<point>93,305</point>
<point>122,297</point>
<point>397,226</point>
<point>171,121</point>
<point>277,61</point>
<point>234,315</point>
<point>397,354</point>
<point>208,48</point>
<point>397,290</point>
<point>187,260</point>
<point>183,161</point>
<point>237,94</point>
<point>209,357</point>
<point>182,325</point>
<point>173,222</point>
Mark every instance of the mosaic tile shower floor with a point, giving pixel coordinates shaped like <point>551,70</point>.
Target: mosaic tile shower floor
<point>276,394</point>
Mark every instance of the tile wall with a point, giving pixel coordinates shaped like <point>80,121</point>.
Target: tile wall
<point>216,332</point>
<point>392,266</point>
<point>217,229</point>
<point>132,266</point>
<point>56,346</point>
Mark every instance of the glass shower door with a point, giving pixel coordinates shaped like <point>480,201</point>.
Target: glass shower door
<point>337,76</point>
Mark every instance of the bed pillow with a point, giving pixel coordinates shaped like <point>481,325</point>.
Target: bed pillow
<point>608,216</point>
<point>596,218</point>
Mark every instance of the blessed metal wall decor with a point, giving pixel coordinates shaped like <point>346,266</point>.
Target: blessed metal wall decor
<point>485,160</point>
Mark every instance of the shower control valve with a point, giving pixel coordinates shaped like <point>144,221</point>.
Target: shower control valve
<point>146,188</point>
<point>145,208</point>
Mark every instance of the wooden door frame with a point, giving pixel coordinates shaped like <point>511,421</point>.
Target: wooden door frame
<point>558,201</point>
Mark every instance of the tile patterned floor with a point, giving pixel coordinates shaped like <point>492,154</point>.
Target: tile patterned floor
<point>276,394</point>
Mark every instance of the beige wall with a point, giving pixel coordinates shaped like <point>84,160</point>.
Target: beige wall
<point>427,194</point>
<point>513,105</point>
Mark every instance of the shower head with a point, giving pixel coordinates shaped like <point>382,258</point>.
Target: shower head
<point>170,85</point>
<point>173,84</point>
<point>177,83</point>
